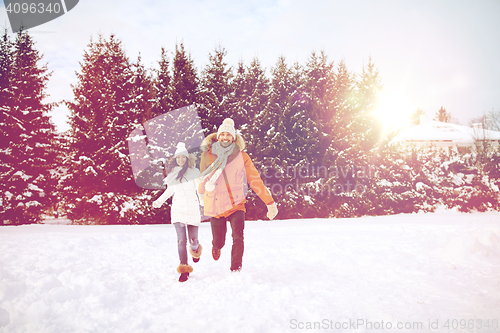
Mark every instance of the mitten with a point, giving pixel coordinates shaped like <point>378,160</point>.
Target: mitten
<point>272,211</point>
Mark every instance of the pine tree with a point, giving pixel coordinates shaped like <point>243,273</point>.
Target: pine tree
<point>184,81</point>
<point>319,87</point>
<point>396,185</point>
<point>175,90</point>
<point>99,187</point>
<point>238,97</point>
<point>28,153</point>
<point>442,115</point>
<point>144,98</point>
<point>369,87</point>
<point>345,135</point>
<point>248,100</point>
<point>216,92</point>
<point>162,104</point>
<point>416,116</point>
<point>6,62</point>
<point>290,139</point>
<point>345,153</point>
<point>257,90</point>
<point>365,135</point>
<point>62,148</point>
<point>341,108</point>
<point>162,86</point>
<point>176,110</point>
<point>6,94</point>
<point>8,123</point>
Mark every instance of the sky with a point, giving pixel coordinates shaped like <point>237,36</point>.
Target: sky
<point>430,54</point>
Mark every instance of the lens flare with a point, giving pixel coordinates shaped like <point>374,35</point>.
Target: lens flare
<point>393,109</point>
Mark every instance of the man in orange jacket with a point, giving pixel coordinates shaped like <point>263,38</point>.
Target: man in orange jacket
<point>225,172</point>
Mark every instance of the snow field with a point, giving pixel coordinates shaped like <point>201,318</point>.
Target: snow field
<point>411,268</point>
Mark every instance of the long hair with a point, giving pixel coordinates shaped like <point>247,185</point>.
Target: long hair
<point>172,163</point>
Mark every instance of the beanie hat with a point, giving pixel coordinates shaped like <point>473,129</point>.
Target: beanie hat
<point>227,126</point>
<point>181,150</point>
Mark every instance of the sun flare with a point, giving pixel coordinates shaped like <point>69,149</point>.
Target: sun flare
<point>393,109</point>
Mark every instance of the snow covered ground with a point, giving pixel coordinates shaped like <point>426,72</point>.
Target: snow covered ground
<point>435,272</point>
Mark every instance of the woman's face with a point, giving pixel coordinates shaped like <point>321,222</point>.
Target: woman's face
<point>181,160</point>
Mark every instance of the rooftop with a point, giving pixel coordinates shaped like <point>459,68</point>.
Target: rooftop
<point>431,131</point>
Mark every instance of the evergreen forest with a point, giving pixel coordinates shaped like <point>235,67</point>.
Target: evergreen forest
<point>309,129</point>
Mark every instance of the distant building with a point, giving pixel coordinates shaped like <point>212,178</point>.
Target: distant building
<point>448,137</point>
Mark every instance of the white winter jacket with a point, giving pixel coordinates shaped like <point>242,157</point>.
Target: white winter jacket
<point>185,204</point>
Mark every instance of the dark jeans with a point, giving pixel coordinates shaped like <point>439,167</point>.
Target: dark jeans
<point>219,229</point>
<point>182,240</point>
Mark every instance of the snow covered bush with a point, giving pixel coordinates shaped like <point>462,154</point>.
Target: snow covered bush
<point>468,185</point>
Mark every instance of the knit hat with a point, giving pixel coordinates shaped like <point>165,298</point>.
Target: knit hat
<point>227,126</point>
<point>181,150</point>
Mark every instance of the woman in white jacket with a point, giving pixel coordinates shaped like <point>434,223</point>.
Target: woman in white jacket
<point>182,182</point>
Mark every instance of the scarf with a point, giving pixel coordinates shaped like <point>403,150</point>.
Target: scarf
<point>218,165</point>
<point>173,174</point>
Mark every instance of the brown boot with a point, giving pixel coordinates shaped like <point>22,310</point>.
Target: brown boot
<point>215,253</point>
<point>184,270</point>
<point>196,254</point>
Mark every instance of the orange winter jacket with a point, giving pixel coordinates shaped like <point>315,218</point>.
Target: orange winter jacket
<point>231,188</point>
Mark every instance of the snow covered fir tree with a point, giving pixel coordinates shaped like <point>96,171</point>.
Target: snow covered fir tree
<point>310,130</point>
<point>27,144</point>
<point>109,103</point>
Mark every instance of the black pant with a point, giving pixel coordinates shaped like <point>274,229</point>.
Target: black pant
<point>219,229</point>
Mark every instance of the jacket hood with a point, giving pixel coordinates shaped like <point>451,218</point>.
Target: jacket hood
<point>192,160</point>
<point>211,138</point>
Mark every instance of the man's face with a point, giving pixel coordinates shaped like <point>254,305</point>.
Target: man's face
<point>225,139</point>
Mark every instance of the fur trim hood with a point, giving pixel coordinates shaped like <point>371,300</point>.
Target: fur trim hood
<point>211,138</point>
<point>192,160</point>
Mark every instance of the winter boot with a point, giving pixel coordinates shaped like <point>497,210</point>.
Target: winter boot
<point>196,254</point>
<point>184,277</point>
<point>184,271</point>
<point>215,253</point>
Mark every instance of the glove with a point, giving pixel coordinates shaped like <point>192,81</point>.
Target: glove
<point>272,211</point>
<point>156,204</point>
